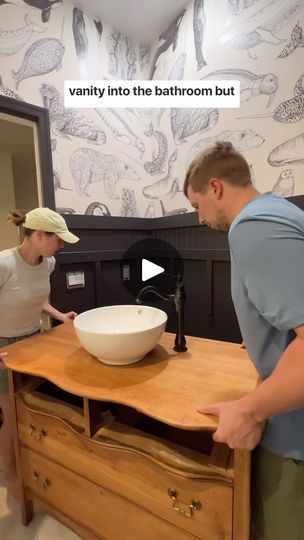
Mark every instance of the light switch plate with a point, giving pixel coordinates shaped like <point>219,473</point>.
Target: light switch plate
<point>126,272</point>
<point>75,280</point>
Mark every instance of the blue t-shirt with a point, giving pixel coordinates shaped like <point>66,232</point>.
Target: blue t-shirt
<point>266,242</point>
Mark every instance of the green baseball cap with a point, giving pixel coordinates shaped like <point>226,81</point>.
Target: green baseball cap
<point>45,219</point>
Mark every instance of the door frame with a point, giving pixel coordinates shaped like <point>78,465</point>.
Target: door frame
<point>40,116</point>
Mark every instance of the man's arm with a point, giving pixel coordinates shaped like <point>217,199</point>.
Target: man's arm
<point>241,422</point>
<point>283,391</point>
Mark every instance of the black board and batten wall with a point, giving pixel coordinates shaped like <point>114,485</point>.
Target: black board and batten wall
<point>104,241</point>
<point>209,310</point>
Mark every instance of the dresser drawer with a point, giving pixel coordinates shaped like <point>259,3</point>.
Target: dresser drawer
<point>110,516</point>
<point>54,437</point>
<point>194,497</point>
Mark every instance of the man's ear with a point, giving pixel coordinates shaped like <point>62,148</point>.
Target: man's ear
<point>216,187</point>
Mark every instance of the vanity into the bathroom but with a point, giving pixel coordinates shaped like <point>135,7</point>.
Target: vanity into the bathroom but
<point>120,453</point>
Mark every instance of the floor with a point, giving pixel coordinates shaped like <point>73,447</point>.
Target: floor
<point>42,527</point>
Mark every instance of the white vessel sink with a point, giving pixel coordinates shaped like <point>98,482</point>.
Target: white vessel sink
<point>120,335</point>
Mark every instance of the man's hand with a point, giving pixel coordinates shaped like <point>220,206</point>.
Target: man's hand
<point>3,355</point>
<point>70,316</point>
<point>237,426</point>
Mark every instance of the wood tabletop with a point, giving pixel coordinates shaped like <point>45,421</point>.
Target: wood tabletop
<point>165,385</point>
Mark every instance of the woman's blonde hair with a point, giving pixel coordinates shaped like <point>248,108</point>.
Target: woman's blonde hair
<point>221,161</point>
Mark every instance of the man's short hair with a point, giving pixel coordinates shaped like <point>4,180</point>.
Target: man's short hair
<point>222,161</point>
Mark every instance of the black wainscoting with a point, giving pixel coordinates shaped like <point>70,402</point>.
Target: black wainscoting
<point>209,310</point>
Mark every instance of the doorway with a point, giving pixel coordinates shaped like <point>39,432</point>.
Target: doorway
<point>34,122</point>
<point>20,186</point>
<point>26,175</point>
<point>26,179</point>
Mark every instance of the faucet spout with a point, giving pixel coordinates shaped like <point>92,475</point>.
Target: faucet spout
<point>178,299</point>
<point>149,289</point>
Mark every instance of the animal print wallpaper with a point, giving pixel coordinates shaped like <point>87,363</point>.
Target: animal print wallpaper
<point>132,162</point>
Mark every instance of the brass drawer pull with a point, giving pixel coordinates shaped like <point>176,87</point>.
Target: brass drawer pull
<point>45,484</point>
<point>37,435</point>
<point>183,508</point>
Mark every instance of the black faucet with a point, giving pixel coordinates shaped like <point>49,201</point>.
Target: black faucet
<point>178,298</point>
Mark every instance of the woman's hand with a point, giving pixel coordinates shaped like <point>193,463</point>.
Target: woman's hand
<point>70,316</point>
<point>3,355</point>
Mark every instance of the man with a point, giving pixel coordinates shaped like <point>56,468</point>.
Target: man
<point>266,240</point>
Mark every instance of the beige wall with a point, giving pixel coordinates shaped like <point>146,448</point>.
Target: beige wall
<point>17,141</point>
<point>8,232</point>
<point>25,186</point>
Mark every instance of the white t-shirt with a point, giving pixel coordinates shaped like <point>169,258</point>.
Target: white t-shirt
<point>23,289</point>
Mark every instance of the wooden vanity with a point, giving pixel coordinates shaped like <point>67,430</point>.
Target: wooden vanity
<point>120,453</point>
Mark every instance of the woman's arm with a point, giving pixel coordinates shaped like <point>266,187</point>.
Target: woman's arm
<point>58,315</point>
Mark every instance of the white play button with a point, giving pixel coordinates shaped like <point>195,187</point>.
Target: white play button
<point>137,268</point>
<point>149,269</point>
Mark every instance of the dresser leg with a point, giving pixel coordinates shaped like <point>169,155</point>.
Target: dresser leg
<point>241,495</point>
<point>27,511</point>
<point>26,505</point>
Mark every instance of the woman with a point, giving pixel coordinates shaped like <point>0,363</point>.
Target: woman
<point>24,289</point>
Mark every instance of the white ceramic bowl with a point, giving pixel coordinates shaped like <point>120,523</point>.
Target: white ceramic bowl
<point>120,335</point>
